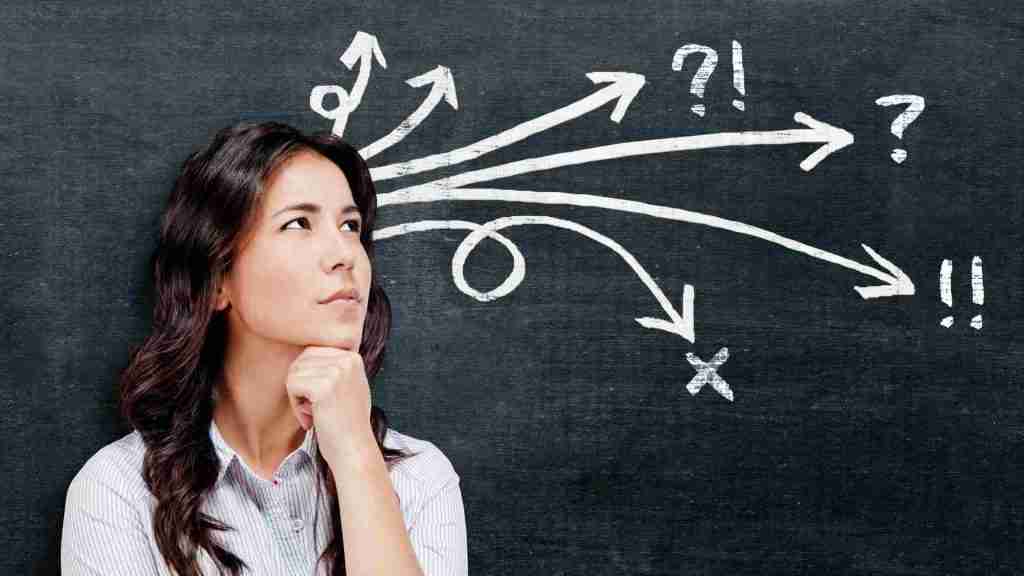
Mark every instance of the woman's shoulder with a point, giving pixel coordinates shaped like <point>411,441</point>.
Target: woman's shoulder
<point>115,467</point>
<point>429,468</point>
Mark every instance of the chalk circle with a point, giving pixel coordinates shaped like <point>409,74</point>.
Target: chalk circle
<point>469,243</point>
<point>316,101</point>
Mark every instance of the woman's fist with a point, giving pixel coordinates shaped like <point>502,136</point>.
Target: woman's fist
<point>328,391</point>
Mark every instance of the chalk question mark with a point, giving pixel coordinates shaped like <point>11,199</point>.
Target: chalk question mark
<point>916,106</point>
<point>700,79</point>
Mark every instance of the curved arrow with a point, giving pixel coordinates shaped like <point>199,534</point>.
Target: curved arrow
<point>363,48</point>
<point>896,283</point>
<point>442,86</point>
<point>680,324</point>
<point>624,87</point>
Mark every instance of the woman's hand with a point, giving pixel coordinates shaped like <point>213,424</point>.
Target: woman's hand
<point>328,390</point>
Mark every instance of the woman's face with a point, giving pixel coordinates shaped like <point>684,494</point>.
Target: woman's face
<point>293,259</point>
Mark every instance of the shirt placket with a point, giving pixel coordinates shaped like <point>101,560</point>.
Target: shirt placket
<point>284,518</point>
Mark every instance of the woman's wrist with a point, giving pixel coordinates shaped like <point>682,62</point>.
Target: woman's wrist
<point>356,452</point>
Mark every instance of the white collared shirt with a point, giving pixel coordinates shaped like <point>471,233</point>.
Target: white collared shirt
<point>281,525</point>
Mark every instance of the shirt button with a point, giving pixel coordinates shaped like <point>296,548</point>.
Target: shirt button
<point>297,524</point>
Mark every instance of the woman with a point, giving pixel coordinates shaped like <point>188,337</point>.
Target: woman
<point>255,442</point>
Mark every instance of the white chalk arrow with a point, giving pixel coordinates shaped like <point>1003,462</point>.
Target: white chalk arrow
<point>363,49</point>
<point>623,88</point>
<point>442,86</point>
<point>831,139</point>
<point>896,283</point>
<point>680,323</point>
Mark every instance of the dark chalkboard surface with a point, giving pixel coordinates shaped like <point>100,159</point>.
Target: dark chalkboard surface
<point>679,287</point>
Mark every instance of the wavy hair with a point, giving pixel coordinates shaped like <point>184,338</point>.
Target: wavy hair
<point>167,389</point>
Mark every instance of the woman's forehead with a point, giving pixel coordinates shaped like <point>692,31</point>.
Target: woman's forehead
<point>308,177</point>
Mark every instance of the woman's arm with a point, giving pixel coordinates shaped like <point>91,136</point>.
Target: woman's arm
<point>438,532</point>
<point>376,541</point>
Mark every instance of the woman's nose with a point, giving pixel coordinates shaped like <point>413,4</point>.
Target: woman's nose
<point>339,248</point>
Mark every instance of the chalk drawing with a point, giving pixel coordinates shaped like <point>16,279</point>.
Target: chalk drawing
<point>707,373</point>
<point>737,74</point>
<point>896,282</point>
<point>441,86</point>
<point>703,73</point>
<point>363,49</point>
<point>915,105</point>
<point>680,322</point>
<point>622,89</point>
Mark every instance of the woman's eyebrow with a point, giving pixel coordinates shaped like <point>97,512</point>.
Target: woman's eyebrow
<point>313,208</point>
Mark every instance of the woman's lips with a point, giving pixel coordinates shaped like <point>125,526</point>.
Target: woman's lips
<point>344,304</point>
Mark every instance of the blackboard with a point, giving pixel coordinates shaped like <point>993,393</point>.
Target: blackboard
<point>654,324</point>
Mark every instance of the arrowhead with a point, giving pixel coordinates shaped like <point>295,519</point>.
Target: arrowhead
<point>834,139</point>
<point>626,84</point>
<point>681,323</point>
<point>898,284</point>
<point>441,77</point>
<point>676,328</point>
<point>363,45</point>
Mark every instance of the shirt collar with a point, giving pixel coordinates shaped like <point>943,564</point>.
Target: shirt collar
<point>227,455</point>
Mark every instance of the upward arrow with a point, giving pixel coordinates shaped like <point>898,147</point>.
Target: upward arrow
<point>623,88</point>
<point>363,49</point>
<point>442,86</point>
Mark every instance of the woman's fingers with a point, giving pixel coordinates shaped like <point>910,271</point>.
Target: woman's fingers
<point>299,394</point>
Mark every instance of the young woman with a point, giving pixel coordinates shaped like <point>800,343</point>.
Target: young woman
<point>256,446</point>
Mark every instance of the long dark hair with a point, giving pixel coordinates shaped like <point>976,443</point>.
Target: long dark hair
<point>167,386</point>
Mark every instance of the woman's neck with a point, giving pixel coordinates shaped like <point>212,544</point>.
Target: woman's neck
<point>254,415</point>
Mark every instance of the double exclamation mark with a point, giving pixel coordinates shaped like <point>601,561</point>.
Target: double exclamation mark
<point>946,289</point>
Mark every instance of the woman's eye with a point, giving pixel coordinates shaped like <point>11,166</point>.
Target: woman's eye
<point>355,223</point>
<point>285,227</point>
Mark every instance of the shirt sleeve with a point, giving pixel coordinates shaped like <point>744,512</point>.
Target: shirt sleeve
<point>438,534</point>
<point>102,532</point>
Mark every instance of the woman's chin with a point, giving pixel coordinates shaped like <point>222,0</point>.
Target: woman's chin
<point>341,339</point>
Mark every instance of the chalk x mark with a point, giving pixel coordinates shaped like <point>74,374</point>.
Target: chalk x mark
<point>707,373</point>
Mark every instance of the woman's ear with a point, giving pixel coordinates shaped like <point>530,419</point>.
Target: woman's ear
<point>223,300</point>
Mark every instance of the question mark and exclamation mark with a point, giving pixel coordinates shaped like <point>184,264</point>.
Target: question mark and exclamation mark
<point>946,289</point>
<point>914,103</point>
<point>707,66</point>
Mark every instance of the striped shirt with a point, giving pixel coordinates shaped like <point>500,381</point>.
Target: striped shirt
<point>281,525</point>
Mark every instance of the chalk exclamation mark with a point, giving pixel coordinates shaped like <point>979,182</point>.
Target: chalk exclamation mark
<point>977,290</point>
<point>946,289</point>
<point>737,73</point>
